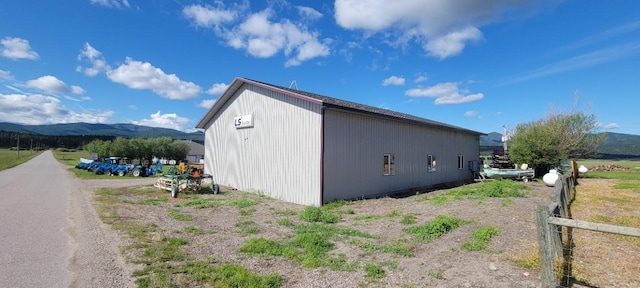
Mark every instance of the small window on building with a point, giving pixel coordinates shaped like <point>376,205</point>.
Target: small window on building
<point>431,163</point>
<point>460,161</point>
<point>389,164</point>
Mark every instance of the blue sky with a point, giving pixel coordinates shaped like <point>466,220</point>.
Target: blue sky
<point>475,64</point>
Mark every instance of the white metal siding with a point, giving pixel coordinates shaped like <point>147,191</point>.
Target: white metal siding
<point>355,145</point>
<point>279,156</point>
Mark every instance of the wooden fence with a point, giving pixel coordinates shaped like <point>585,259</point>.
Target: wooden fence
<point>554,226</point>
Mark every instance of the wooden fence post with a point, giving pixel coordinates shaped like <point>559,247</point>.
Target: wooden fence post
<point>545,247</point>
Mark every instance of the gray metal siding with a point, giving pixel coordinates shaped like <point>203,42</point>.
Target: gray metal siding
<point>279,156</point>
<point>355,145</point>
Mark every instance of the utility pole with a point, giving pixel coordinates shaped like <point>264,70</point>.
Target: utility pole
<point>18,145</point>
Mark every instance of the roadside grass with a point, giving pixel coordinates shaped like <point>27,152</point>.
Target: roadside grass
<point>10,158</point>
<point>408,219</point>
<point>501,188</point>
<point>70,157</point>
<point>401,247</point>
<point>163,257</point>
<point>374,271</point>
<point>248,227</point>
<point>175,214</point>
<point>480,238</point>
<point>218,274</point>
<point>193,230</point>
<point>153,201</point>
<point>322,215</point>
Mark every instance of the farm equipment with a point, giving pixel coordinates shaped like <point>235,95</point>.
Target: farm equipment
<point>140,170</point>
<point>84,163</point>
<point>188,182</point>
<point>107,166</point>
<point>500,166</point>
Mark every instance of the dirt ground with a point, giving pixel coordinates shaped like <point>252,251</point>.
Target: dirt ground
<point>439,263</point>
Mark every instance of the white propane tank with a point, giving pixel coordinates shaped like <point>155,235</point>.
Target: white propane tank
<point>550,178</point>
<point>582,169</point>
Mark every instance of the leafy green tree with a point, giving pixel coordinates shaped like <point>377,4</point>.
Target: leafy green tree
<point>120,147</point>
<point>160,146</point>
<point>178,150</point>
<point>99,146</point>
<point>546,143</point>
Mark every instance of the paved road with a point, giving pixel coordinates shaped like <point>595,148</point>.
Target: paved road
<point>50,232</point>
<point>34,247</point>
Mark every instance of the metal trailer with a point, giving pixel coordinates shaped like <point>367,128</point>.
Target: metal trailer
<point>185,183</point>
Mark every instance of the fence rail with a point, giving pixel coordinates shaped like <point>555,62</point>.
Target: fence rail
<point>607,228</point>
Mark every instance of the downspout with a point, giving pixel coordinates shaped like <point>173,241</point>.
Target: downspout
<point>322,156</point>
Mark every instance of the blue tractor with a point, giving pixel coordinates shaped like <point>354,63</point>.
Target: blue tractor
<point>141,170</point>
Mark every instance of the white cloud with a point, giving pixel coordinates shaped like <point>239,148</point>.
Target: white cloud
<point>445,93</point>
<point>132,107</point>
<point>40,109</point>
<point>207,103</point>
<point>98,63</point>
<point>49,84</point>
<point>309,13</point>
<point>452,43</point>
<point>111,3</point>
<point>472,114</point>
<point>258,35</point>
<point>171,121</point>
<point>208,16</point>
<point>610,126</point>
<point>77,90</point>
<point>217,89</point>
<point>444,27</point>
<point>581,61</point>
<point>5,75</point>
<point>17,48</point>
<point>393,80</point>
<point>143,75</point>
<point>421,77</point>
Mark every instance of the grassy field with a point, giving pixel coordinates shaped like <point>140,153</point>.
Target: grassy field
<point>70,157</point>
<point>9,158</point>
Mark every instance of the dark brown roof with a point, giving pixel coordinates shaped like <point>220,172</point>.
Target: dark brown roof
<point>329,102</point>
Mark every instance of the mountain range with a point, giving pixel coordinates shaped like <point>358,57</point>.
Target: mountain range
<point>616,145</point>
<point>84,129</point>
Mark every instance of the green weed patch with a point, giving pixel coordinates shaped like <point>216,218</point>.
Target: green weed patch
<point>480,238</point>
<point>433,229</point>
<point>176,215</point>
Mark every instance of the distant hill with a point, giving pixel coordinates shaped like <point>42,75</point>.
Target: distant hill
<point>615,145</point>
<point>85,129</point>
<point>491,139</point>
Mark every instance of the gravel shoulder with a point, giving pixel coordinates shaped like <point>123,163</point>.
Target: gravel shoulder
<point>96,260</point>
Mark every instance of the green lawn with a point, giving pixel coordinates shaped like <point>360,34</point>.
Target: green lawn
<point>70,157</point>
<point>9,158</point>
